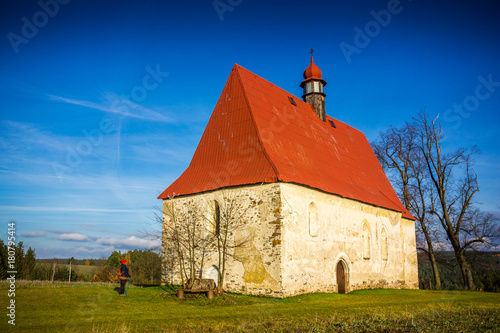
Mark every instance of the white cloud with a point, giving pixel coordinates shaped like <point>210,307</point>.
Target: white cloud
<point>129,242</point>
<point>33,234</point>
<point>74,237</point>
<point>117,105</point>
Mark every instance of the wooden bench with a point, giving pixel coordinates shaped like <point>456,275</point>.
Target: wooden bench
<point>206,286</point>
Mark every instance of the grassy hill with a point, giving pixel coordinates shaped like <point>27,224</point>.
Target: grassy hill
<point>86,307</point>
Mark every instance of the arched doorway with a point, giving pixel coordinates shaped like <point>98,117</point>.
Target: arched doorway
<point>341,278</point>
<point>213,273</point>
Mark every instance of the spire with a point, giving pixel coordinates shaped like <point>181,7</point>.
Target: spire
<point>313,88</point>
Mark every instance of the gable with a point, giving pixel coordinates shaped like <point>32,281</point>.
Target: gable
<point>256,134</point>
<point>229,152</point>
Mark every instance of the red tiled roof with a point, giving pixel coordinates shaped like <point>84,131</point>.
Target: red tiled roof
<point>256,135</point>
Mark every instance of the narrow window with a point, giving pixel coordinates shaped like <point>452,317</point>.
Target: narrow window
<point>366,242</point>
<point>383,244</point>
<point>313,220</point>
<point>217,218</point>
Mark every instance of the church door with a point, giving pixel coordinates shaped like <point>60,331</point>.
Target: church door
<point>340,278</point>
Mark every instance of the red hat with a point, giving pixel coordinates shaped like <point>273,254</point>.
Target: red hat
<point>123,261</point>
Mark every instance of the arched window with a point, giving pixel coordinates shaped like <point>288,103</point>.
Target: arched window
<point>366,241</point>
<point>383,244</point>
<point>313,220</point>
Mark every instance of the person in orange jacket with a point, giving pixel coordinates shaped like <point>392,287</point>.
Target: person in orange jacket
<point>123,275</point>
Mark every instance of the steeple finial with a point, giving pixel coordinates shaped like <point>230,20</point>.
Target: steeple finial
<point>312,51</point>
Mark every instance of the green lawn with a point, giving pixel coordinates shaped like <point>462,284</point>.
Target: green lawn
<point>86,270</point>
<point>77,307</point>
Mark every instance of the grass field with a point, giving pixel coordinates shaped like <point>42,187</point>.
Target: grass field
<point>85,307</point>
<point>86,270</point>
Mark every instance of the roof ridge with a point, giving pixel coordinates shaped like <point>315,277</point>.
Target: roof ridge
<point>257,130</point>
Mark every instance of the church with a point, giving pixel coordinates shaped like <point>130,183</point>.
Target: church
<point>320,216</point>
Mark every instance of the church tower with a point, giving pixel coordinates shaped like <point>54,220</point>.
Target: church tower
<point>313,89</point>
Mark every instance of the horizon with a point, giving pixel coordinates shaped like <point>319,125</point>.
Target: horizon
<point>103,104</point>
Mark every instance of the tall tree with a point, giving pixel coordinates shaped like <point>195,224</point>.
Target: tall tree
<point>114,259</point>
<point>183,234</point>
<point>3,260</point>
<point>454,184</point>
<point>29,264</point>
<point>20,267</point>
<point>398,151</point>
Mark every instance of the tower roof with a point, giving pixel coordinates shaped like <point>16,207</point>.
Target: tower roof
<point>259,133</point>
<point>312,71</point>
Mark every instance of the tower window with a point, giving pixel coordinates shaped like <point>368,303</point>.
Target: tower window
<point>308,87</point>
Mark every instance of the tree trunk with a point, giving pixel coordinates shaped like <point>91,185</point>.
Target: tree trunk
<point>437,279</point>
<point>466,272</point>
<point>53,271</point>
<point>432,257</point>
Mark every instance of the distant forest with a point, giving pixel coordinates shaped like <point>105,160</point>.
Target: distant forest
<point>485,270</point>
<point>144,266</point>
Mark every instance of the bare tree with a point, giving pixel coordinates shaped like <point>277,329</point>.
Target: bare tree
<point>183,236</point>
<point>227,217</point>
<point>454,184</point>
<point>397,151</point>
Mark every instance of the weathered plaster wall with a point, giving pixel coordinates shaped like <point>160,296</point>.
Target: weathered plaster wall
<point>255,268</point>
<point>287,255</point>
<point>309,261</point>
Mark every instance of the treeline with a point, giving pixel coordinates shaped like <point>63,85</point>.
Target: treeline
<point>144,267</point>
<point>485,267</point>
<point>25,261</point>
<point>30,268</point>
<point>86,262</point>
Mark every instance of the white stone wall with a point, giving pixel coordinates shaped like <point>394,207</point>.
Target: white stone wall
<point>298,235</point>
<point>309,262</point>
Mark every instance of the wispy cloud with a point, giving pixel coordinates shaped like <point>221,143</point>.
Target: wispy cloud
<point>73,209</point>
<point>117,105</point>
<point>74,237</point>
<point>33,234</point>
<point>19,135</point>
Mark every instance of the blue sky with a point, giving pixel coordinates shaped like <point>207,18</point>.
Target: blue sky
<point>103,103</point>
